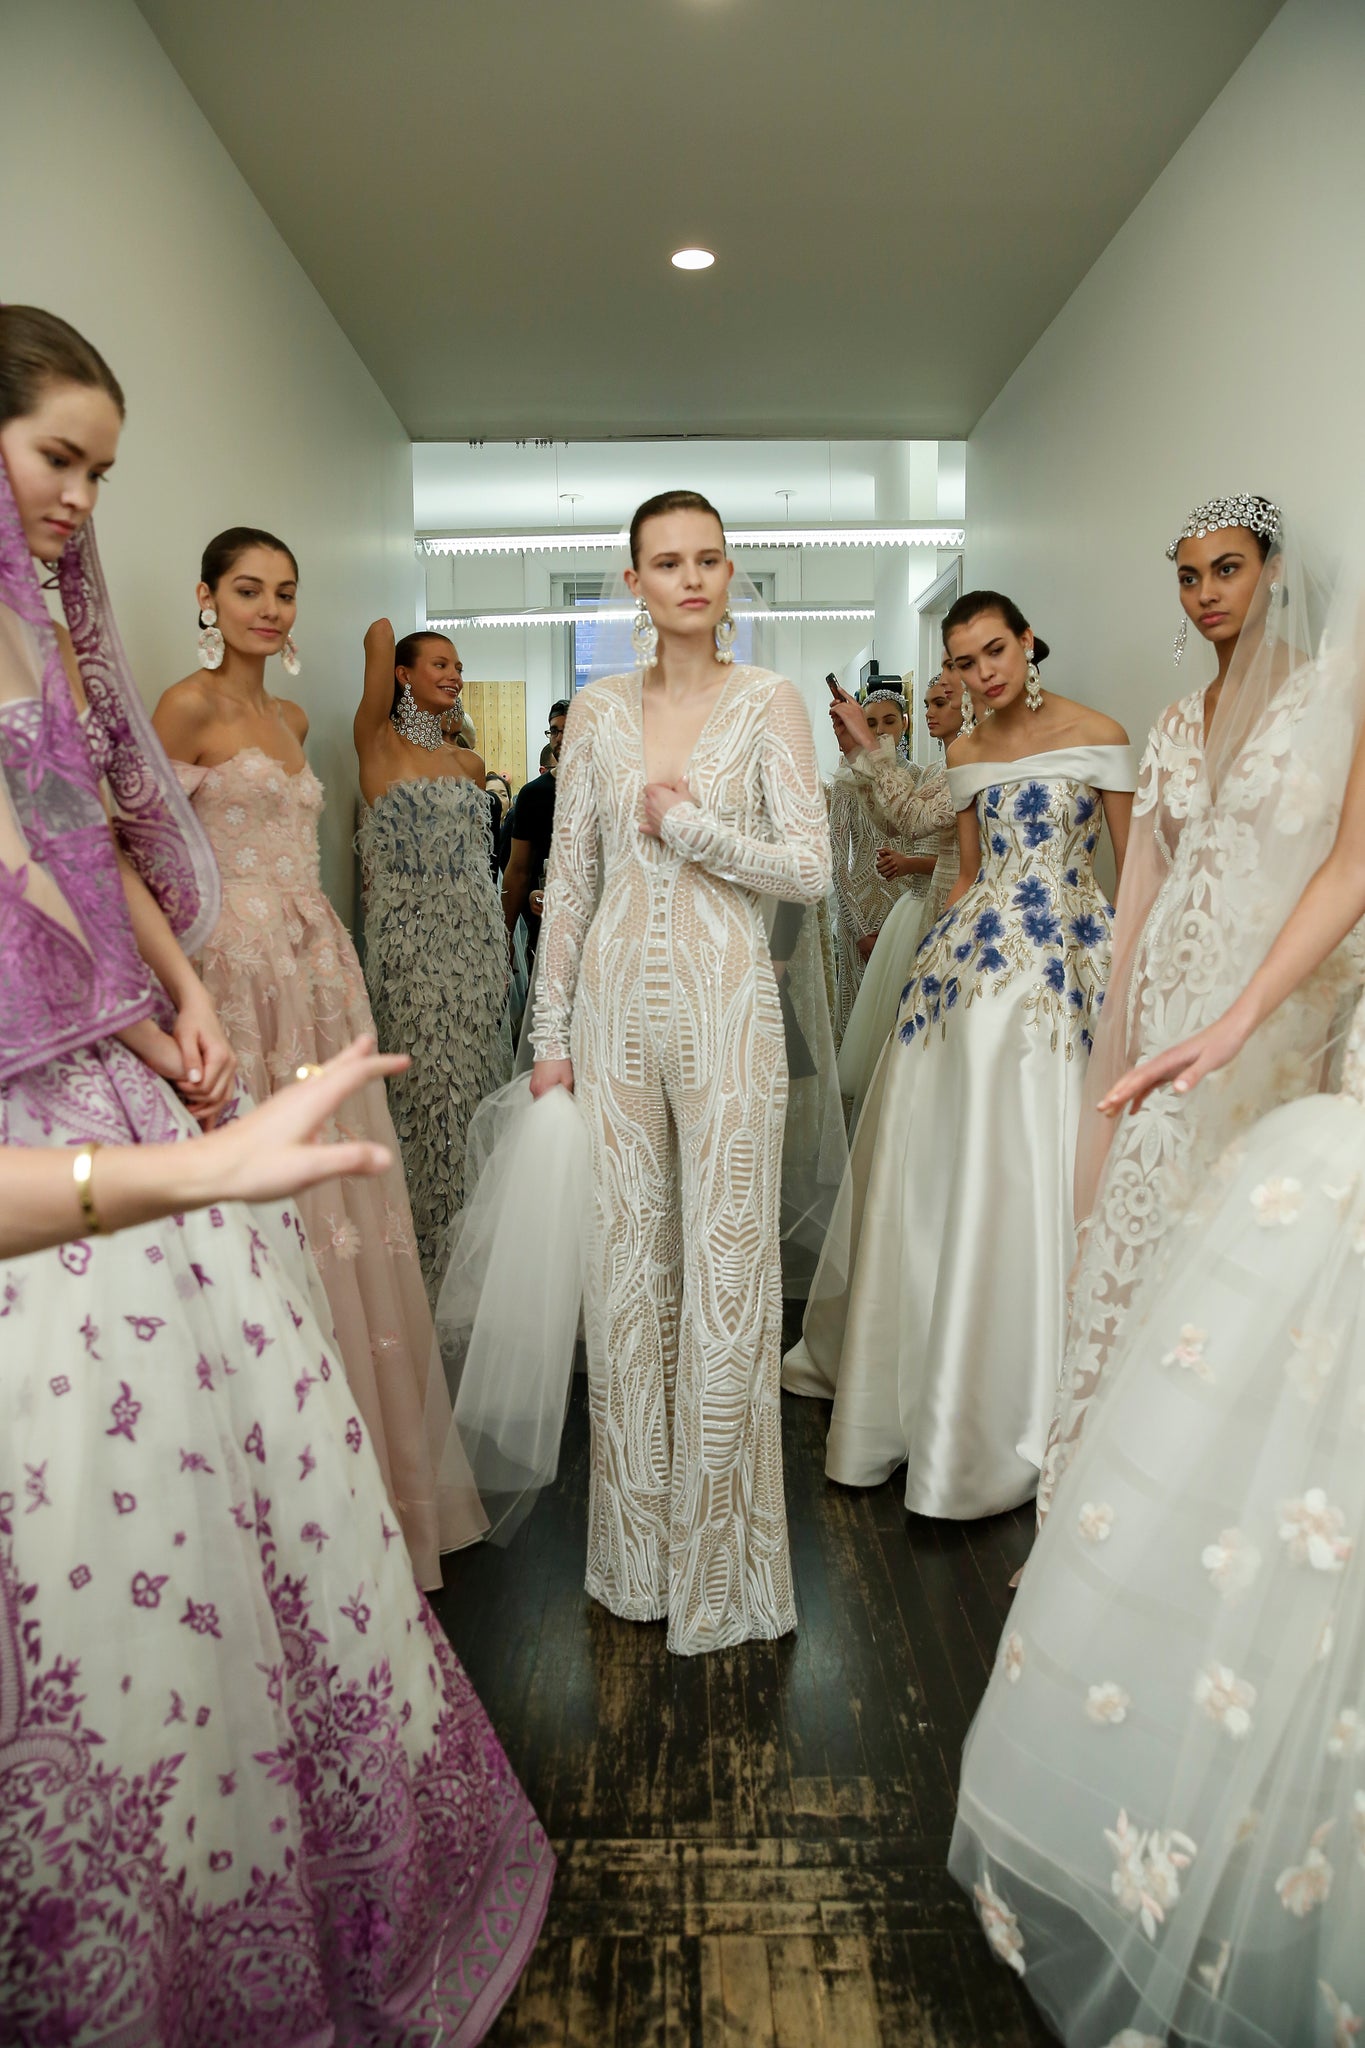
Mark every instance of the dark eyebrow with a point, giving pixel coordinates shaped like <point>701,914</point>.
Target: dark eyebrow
<point>70,446</point>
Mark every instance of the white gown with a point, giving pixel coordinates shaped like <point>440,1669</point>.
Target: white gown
<point>1162,1813</point>
<point>929,815</point>
<point>863,900</point>
<point>937,1316</point>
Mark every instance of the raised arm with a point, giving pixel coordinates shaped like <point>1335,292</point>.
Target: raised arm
<point>900,798</point>
<point>570,889</point>
<point>795,865</point>
<point>1330,906</point>
<point>376,697</point>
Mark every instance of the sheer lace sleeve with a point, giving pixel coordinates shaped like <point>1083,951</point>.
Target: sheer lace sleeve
<point>570,888</point>
<point>795,864</point>
<point>899,799</point>
<point>845,817</point>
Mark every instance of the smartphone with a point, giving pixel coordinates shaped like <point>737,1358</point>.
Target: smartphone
<point>835,689</point>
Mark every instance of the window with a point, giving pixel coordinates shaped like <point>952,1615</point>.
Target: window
<point>582,644</point>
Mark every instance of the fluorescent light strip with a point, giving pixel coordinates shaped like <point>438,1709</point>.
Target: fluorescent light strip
<point>568,542</point>
<point>788,614</point>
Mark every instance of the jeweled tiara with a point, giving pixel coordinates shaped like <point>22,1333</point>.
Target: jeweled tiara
<point>1258,515</point>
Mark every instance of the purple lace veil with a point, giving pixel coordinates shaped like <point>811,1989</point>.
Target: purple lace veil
<point>70,971</point>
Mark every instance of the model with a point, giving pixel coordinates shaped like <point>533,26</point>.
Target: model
<point>685,792</point>
<point>924,807</point>
<point>230,1727</point>
<point>435,947</point>
<point>864,894</point>
<point>284,977</point>
<point>1162,1814</point>
<point>936,1320</point>
<point>1243,762</point>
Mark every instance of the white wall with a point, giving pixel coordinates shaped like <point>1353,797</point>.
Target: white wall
<point>246,403</point>
<point>1217,345</point>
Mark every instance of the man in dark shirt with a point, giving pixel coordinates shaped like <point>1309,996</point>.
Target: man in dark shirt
<point>533,817</point>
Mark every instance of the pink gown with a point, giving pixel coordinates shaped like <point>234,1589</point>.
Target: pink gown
<point>285,979</point>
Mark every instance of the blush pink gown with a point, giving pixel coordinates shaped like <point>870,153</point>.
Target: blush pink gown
<point>286,981</point>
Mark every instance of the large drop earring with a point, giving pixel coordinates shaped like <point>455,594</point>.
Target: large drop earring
<point>289,656</point>
<point>968,726</point>
<point>1033,689</point>
<point>725,635</point>
<point>1181,637</point>
<point>210,640</point>
<point>644,637</point>
<point>1272,624</point>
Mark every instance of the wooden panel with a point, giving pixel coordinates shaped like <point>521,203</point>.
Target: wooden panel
<point>751,1845</point>
<point>499,714</point>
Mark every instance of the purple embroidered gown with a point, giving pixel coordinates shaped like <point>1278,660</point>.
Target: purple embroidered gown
<point>247,1794</point>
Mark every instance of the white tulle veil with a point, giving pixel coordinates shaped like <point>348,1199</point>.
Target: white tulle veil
<point>509,1310</point>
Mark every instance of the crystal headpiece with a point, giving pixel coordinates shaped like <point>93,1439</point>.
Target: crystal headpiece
<point>885,694</point>
<point>1258,515</point>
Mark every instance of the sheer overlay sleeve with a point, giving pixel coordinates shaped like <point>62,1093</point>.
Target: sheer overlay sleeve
<point>795,864</point>
<point>570,888</point>
<point>900,798</point>
<point>845,817</point>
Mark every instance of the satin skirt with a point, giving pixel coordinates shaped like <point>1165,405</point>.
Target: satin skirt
<point>938,1313</point>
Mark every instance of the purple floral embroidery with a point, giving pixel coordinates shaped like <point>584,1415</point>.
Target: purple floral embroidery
<point>387,1533</point>
<point>216,1218</point>
<point>125,1412</point>
<point>194,1461</point>
<point>257,1243</point>
<point>125,1503</point>
<point>227,1783</point>
<point>90,1332</point>
<point>255,1443</point>
<point>204,1374</point>
<point>295,1318</point>
<point>312,1533</point>
<point>200,1275</point>
<point>202,1716</point>
<point>220,1859</point>
<point>355,1610</point>
<point>355,1436</point>
<point>147,1592</point>
<point>79,1577</point>
<point>75,1257</point>
<point>144,1328</point>
<point>9,1300</point>
<point>35,1486</point>
<point>202,1617</point>
<point>256,1337</point>
<point>62,1385</point>
<point>307,1462</point>
<point>177,1712</point>
<point>154,1255</point>
<point>302,1387</point>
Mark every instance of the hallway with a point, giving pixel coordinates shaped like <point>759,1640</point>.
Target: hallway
<point>751,1845</point>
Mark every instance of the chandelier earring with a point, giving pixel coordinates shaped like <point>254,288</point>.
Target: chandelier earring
<point>1033,688</point>
<point>210,640</point>
<point>1272,624</point>
<point>1181,637</point>
<point>644,637</point>
<point>725,636</point>
<point>289,656</point>
<point>968,725</point>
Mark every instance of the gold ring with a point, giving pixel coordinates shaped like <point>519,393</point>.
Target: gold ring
<point>306,1073</point>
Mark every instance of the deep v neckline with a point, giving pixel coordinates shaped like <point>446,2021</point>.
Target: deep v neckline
<point>705,727</point>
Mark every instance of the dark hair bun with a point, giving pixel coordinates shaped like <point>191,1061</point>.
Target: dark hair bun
<point>1041,650</point>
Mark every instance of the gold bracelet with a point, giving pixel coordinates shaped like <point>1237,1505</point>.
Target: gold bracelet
<point>82,1167</point>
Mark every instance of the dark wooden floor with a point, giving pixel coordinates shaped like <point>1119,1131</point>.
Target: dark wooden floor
<point>751,1845</point>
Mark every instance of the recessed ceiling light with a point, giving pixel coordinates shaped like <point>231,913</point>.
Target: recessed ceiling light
<point>692,259</point>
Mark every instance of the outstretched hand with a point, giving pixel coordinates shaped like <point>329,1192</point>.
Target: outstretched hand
<point>277,1149</point>
<point>1184,1066</point>
<point>659,799</point>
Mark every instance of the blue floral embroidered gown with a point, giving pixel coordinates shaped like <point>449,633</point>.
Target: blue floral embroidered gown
<point>938,1314</point>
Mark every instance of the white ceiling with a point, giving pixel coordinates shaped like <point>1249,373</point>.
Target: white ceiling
<point>900,193</point>
<point>505,485</point>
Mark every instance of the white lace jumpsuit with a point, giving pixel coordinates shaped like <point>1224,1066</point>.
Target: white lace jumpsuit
<point>655,978</point>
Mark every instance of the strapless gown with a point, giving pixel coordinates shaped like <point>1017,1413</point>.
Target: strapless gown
<point>436,966</point>
<point>247,1794</point>
<point>285,979</point>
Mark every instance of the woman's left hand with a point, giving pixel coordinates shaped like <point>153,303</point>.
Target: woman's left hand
<point>1184,1065</point>
<point>659,799</point>
<point>210,1063</point>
